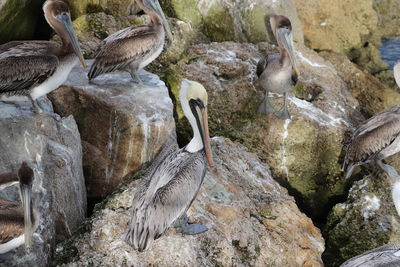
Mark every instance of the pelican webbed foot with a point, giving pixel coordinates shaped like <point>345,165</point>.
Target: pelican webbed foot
<point>283,113</point>
<point>38,109</point>
<point>266,107</point>
<point>184,227</point>
<point>391,172</point>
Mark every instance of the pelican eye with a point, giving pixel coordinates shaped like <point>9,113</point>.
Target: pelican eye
<point>197,102</point>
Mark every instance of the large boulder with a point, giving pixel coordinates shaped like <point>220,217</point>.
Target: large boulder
<point>117,8</point>
<point>233,20</point>
<point>368,219</point>
<point>304,153</point>
<point>18,19</point>
<point>122,125</point>
<point>53,149</point>
<point>252,222</point>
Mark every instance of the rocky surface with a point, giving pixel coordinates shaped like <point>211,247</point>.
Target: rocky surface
<point>231,20</point>
<point>122,125</point>
<point>117,8</point>
<point>252,221</point>
<point>53,149</point>
<point>368,219</point>
<point>304,153</point>
<point>388,17</point>
<point>18,19</point>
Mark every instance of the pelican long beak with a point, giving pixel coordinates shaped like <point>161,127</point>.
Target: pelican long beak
<point>157,6</point>
<point>65,19</point>
<point>285,39</point>
<point>206,135</point>
<point>26,193</point>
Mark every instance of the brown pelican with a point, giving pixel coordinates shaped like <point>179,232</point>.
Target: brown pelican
<point>376,139</point>
<point>386,255</point>
<point>165,194</point>
<point>131,49</point>
<point>16,221</point>
<point>275,72</point>
<point>396,72</point>
<point>35,68</point>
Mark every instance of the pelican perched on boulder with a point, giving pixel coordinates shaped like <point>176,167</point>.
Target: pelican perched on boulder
<point>133,48</point>
<point>277,72</point>
<point>35,68</point>
<point>376,139</point>
<point>17,222</point>
<point>166,193</point>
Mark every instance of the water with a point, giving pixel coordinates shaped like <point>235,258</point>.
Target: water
<point>390,51</point>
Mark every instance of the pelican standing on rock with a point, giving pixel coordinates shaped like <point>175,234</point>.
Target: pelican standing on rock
<point>35,68</point>
<point>17,222</point>
<point>275,72</point>
<point>376,139</point>
<point>133,48</point>
<point>166,193</point>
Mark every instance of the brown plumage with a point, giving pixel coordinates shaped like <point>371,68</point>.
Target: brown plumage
<point>374,139</point>
<point>132,48</point>
<point>12,220</point>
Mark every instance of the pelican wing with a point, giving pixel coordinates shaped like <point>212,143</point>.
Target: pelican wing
<point>120,49</point>
<point>11,220</point>
<point>164,197</point>
<point>23,65</point>
<point>373,136</point>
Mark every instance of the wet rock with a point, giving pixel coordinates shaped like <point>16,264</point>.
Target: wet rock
<point>372,95</point>
<point>252,221</point>
<point>18,19</point>
<point>122,125</point>
<point>231,20</point>
<point>53,150</point>
<point>304,153</point>
<point>388,17</point>
<point>368,219</point>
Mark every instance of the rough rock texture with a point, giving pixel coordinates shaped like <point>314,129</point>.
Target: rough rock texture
<point>53,149</point>
<point>372,94</point>
<point>118,8</point>
<point>304,153</point>
<point>233,20</point>
<point>388,17</point>
<point>122,125</point>
<point>368,219</point>
<point>252,221</point>
<point>18,19</point>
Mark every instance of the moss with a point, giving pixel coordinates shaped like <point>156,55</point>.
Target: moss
<point>18,19</point>
<point>185,10</point>
<point>254,27</point>
<point>218,24</point>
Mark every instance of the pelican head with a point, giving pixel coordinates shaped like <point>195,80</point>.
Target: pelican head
<point>154,6</point>
<point>26,176</point>
<point>282,30</point>
<point>194,100</point>
<point>396,72</point>
<point>58,17</point>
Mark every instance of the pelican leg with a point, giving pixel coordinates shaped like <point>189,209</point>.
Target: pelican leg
<point>36,107</point>
<point>133,71</point>
<point>186,228</point>
<point>266,106</point>
<point>283,113</point>
<point>391,172</point>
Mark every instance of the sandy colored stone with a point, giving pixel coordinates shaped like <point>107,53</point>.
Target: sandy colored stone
<point>238,239</point>
<point>122,125</point>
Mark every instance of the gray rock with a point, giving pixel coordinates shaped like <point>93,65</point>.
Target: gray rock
<point>53,149</point>
<point>252,221</point>
<point>122,125</point>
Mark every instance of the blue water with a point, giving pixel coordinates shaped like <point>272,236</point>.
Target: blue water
<point>390,51</point>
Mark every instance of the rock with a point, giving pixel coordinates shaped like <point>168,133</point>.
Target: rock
<point>231,20</point>
<point>368,219</point>
<point>18,19</point>
<point>53,150</point>
<point>372,95</point>
<point>388,17</point>
<point>122,125</point>
<point>252,221</point>
<point>118,8</point>
<point>304,153</point>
